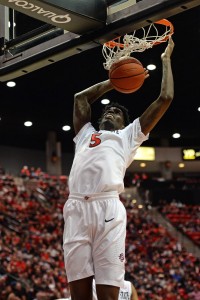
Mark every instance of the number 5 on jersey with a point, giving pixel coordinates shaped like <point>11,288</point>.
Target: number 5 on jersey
<point>95,140</point>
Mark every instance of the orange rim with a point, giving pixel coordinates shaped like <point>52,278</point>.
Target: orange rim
<point>164,22</point>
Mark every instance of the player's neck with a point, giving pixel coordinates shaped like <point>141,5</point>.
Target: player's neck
<point>107,125</point>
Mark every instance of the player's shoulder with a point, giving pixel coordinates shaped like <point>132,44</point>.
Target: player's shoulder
<point>84,131</point>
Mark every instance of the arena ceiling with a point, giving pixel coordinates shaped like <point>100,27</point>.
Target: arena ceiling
<point>45,96</point>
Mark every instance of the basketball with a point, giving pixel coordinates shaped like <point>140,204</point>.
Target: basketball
<point>127,75</point>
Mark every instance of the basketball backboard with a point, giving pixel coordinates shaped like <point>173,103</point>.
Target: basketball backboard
<point>45,96</point>
<point>50,42</point>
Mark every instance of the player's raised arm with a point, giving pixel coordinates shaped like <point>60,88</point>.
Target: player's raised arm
<point>83,100</point>
<point>156,110</point>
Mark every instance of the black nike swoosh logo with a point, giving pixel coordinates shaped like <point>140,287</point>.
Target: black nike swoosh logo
<point>109,220</point>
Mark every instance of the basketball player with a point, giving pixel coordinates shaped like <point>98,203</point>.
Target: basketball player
<point>95,218</point>
<point>128,292</point>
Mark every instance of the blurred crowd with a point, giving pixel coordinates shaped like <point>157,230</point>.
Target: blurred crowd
<point>31,238</point>
<point>31,257</point>
<point>184,217</point>
<point>156,263</point>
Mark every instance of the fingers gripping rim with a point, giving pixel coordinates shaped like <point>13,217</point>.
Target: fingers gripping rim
<point>166,23</point>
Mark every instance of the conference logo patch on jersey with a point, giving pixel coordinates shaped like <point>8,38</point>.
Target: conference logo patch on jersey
<point>121,257</point>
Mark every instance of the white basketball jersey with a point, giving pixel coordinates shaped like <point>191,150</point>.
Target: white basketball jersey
<point>102,157</point>
<point>126,292</point>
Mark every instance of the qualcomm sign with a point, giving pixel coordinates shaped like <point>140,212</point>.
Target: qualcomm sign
<point>70,15</point>
<point>41,11</point>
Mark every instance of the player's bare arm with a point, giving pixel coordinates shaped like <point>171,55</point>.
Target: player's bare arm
<point>157,109</point>
<point>134,295</point>
<point>83,100</point>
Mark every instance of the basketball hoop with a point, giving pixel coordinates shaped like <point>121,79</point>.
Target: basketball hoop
<point>122,47</point>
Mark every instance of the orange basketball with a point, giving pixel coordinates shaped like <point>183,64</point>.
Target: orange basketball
<point>127,75</point>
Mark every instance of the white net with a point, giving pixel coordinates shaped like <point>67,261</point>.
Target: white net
<point>123,47</point>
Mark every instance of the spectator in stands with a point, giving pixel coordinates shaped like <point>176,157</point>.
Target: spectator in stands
<point>19,291</point>
<point>25,172</point>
